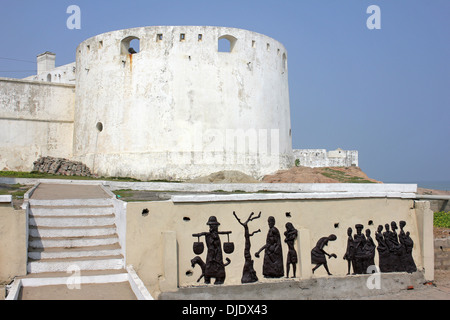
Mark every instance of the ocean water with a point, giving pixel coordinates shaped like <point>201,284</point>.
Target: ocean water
<point>437,185</point>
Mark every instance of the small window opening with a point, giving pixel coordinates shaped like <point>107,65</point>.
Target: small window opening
<point>200,37</point>
<point>226,43</point>
<point>100,44</point>
<point>268,46</point>
<point>370,223</point>
<point>130,45</point>
<point>278,52</point>
<point>288,214</point>
<point>182,37</point>
<point>284,62</point>
<point>336,225</point>
<point>253,44</point>
<point>189,273</point>
<point>49,77</point>
<point>159,37</point>
<point>99,126</point>
<point>145,212</point>
<point>187,219</point>
<point>88,48</point>
<point>135,46</point>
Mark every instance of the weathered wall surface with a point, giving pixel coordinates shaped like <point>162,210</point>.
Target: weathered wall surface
<point>177,108</point>
<point>36,119</point>
<point>439,205</point>
<point>61,74</point>
<point>316,158</point>
<point>157,240</point>
<point>442,253</point>
<point>13,249</point>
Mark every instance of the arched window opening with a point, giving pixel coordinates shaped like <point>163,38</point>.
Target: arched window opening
<point>284,62</point>
<point>226,43</point>
<point>49,77</point>
<point>130,45</point>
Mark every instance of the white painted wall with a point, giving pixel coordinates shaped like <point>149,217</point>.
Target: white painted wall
<point>47,70</point>
<point>36,119</point>
<point>316,158</point>
<point>62,74</point>
<point>166,111</point>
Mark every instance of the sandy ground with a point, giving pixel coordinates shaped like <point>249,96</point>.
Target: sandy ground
<point>107,291</point>
<point>432,192</point>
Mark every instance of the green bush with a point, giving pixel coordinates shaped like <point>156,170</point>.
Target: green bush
<point>442,219</point>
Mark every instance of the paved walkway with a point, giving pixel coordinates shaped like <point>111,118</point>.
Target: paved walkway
<point>68,191</point>
<point>100,291</point>
<point>439,290</point>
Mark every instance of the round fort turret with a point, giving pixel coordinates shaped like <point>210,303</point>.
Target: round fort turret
<point>178,106</point>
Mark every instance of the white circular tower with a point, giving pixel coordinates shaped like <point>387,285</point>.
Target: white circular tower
<point>182,106</point>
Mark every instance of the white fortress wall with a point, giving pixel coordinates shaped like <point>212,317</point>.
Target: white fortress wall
<point>36,119</point>
<point>47,70</point>
<point>179,108</point>
<point>62,74</point>
<point>316,158</point>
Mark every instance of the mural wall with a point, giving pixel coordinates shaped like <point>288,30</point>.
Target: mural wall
<point>231,243</point>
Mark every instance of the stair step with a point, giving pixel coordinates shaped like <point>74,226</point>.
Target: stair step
<point>70,242</point>
<point>71,264</point>
<point>70,210</point>
<point>83,273</point>
<point>73,234</point>
<point>71,202</point>
<point>72,221</point>
<point>59,252</point>
<point>48,232</point>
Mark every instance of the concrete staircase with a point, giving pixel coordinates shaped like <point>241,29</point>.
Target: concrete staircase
<point>68,235</point>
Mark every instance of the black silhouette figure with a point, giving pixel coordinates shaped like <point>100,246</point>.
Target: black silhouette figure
<point>350,252</point>
<point>369,251</point>
<point>359,257</point>
<point>292,259</point>
<point>383,251</point>
<point>214,266</point>
<point>273,255</point>
<point>407,245</point>
<point>390,263</point>
<point>318,254</point>
<point>395,248</point>
<point>131,51</point>
<point>248,273</point>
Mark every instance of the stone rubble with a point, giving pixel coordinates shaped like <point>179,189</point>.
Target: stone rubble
<point>61,166</point>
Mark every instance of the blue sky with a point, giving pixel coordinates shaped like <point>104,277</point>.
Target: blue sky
<point>385,93</point>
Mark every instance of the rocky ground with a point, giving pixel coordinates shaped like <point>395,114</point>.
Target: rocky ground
<point>320,175</point>
<point>60,166</point>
